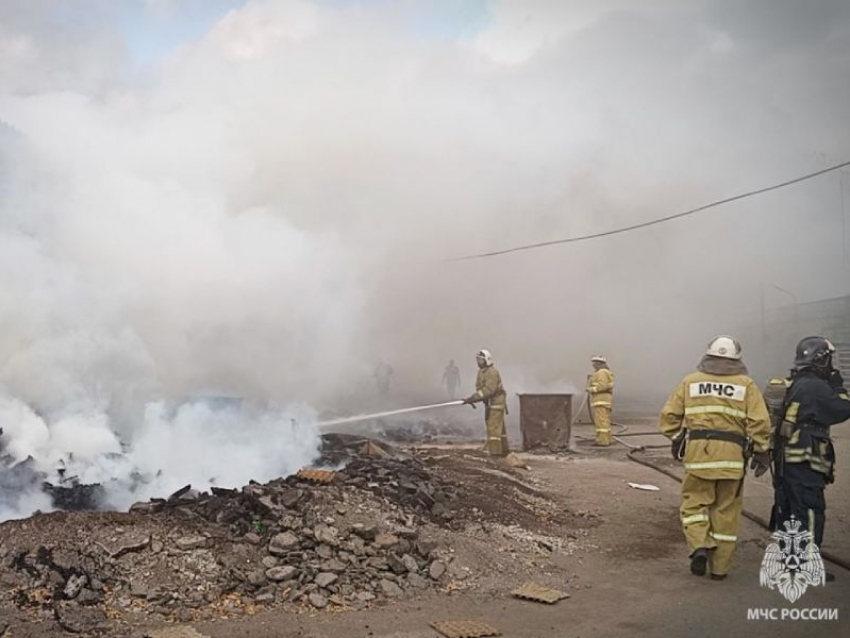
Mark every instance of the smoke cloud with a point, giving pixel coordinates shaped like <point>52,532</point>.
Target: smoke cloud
<point>264,210</point>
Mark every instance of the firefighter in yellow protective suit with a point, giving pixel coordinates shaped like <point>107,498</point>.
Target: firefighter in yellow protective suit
<point>489,390</point>
<point>600,388</point>
<point>715,417</point>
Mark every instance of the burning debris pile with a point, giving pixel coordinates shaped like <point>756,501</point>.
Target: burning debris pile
<point>385,526</point>
<point>68,493</point>
<point>352,541</point>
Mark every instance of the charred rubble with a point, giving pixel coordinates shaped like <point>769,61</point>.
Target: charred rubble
<point>352,541</point>
<point>68,493</point>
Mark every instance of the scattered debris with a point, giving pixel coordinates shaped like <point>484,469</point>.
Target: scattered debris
<point>420,430</point>
<point>372,449</point>
<point>127,547</point>
<point>384,528</point>
<point>77,619</point>
<point>645,486</point>
<point>539,593</point>
<point>71,495</point>
<point>290,541</point>
<point>407,483</point>
<point>183,631</point>
<point>187,543</point>
<point>436,570</point>
<point>316,476</point>
<point>22,477</point>
<point>464,629</point>
<point>513,460</point>
<point>338,449</point>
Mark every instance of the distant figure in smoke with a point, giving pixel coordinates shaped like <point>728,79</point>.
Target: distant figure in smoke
<point>451,378</point>
<point>383,373</point>
<point>489,390</point>
<point>600,390</point>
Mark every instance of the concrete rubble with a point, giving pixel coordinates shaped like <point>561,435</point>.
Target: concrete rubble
<point>354,542</point>
<point>386,527</point>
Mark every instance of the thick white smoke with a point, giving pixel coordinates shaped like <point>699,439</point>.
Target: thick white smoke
<point>141,262</point>
<point>262,212</point>
<point>204,443</point>
<point>121,289</point>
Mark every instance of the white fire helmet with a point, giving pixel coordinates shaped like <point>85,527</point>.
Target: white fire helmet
<point>598,359</point>
<point>724,346</point>
<point>485,357</point>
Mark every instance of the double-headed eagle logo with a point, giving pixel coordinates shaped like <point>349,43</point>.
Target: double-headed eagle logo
<point>792,563</point>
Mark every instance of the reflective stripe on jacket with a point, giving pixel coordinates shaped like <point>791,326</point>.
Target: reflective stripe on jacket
<point>813,406</point>
<point>726,403</point>
<point>601,387</point>
<point>488,387</point>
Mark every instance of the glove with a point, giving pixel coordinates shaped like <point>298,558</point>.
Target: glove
<point>676,447</point>
<point>760,463</point>
<point>836,380</point>
<point>469,401</point>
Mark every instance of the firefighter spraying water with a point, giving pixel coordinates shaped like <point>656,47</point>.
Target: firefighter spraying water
<point>377,415</point>
<point>488,390</point>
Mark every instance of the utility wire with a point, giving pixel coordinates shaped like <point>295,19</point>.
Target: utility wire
<point>653,222</point>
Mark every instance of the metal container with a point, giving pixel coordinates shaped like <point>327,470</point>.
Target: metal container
<point>544,421</point>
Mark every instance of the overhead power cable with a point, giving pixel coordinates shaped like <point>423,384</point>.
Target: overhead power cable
<point>661,220</point>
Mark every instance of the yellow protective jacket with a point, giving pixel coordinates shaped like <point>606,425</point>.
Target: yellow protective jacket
<point>488,387</point>
<point>601,387</point>
<point>726,403</point>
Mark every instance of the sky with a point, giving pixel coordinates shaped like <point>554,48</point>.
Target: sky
<point>259,198</point>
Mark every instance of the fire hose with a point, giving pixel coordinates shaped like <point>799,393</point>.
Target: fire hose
<point>377,415</point>
<point>631,454</point>
<point>585,401</point>
<point>581,407</point>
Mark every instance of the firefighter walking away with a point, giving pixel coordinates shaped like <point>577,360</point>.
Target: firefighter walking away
<point>715,417</point>
<point>489,391</point>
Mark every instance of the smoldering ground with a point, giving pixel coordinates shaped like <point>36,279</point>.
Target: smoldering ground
<point>265,208</point>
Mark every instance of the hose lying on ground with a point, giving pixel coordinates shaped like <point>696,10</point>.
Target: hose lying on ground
<point>758,520</point>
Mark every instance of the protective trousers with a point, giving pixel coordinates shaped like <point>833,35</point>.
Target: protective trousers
<point>602,423</point>
<point>711,514</point>
<point>497,437</point>
<point>802,495</point>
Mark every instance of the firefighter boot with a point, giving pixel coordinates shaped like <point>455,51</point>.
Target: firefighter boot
<point>699,560</point>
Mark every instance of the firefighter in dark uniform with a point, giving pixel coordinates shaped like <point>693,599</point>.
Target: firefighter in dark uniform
<point>802,451</point>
